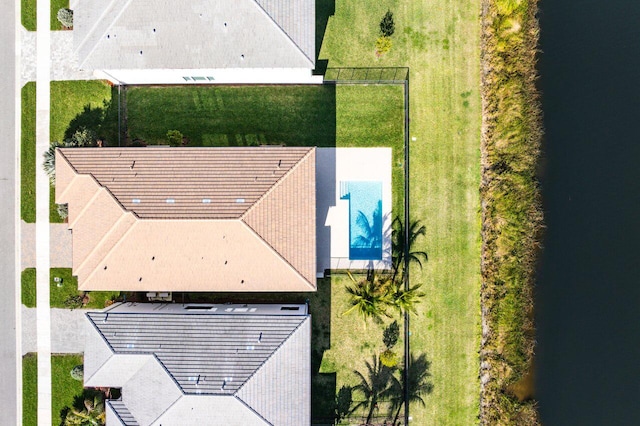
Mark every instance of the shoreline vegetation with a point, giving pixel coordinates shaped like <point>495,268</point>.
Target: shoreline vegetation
<point>511,209</point>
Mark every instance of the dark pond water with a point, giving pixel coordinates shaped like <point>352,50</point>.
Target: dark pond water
<point>588,292</point>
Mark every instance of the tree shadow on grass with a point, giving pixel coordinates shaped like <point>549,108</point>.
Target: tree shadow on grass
<point>103,121</point>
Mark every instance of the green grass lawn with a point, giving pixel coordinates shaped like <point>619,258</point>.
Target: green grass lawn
<point>30,389</point>
<point>439,41</point>
<point>55,6</point>
<point>63,387</point>
<point>29,287</point>
<point>28,154</point>
<point>28,14</point>
<point>69,288</point>
<point>83,101</point>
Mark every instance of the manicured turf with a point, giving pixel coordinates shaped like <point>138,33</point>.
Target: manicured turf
<point>28,154</point>
<point>69,288</point>
<point>30,390</point>
<point>63,387</point>
<point>232,116</point>
<point>81,100</point>
<point>28,14</point>
<point>439,41</point>
<point>29,287</point>
<point>55,6</point>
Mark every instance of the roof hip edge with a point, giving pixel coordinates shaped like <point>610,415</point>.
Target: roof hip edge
<point>276,184</point>
<point>285,33</point>
<point>304,320</point>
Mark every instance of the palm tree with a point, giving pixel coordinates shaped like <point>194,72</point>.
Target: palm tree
<point>370,298</point>
<point>92,414</point>
<point>405,300</point>
<point>419,385</point>
<point>416,229</point>
<point>49,163</point>
<point>374,385</point>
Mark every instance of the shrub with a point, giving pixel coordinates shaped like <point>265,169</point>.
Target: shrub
<point>387,26</point>
<point>383,45</point>
<point>49,163</point>
<point>174,137</point>
<point>63,211</point>
<point>82,137</point>
<point>65,16</point>
<point>391,334</point>
<point>77,373</point>
<point>73,302</point>
<point>388,358</point>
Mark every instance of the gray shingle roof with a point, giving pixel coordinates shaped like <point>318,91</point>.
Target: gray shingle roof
<point>262,359</point>
<point>200,34</point>
<point>123,413</point>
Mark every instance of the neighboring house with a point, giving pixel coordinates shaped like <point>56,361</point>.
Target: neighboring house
<point>181,365</point>
<point>191,219</point>
<point>207,41</point>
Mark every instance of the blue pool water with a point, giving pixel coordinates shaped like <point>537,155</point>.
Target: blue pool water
<point>365,218</point>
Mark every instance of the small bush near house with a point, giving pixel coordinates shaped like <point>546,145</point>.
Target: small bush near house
<point>65,16</point>
<point>63,210</point>
<point>174,137</point>
<point>78,372</point>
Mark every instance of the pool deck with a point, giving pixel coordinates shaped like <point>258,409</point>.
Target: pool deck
<point>336,165</point>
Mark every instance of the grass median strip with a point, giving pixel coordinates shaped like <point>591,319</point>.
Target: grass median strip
<point>28,154</point>
<point>30,389</point>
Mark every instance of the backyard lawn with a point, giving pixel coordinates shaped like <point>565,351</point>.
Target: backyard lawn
<point>439,41</point>
<point>28,154</point>
<point>30,390</point>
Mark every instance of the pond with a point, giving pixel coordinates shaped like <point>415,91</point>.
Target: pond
<point>588,291</point>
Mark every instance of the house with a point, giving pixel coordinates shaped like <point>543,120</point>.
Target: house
<point>202,364</point>
<point>202,41</point>
<point>190,219</point>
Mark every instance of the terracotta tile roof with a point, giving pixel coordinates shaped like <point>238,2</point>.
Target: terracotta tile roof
<point>198,219</point>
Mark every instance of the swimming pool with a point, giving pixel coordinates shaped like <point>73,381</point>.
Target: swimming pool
<point>365,218</point>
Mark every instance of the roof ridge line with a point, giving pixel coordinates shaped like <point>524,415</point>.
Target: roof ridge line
<point>276,183</point>
<point>94,28</point>
<point>306,318</point>
<point>273,249</point>
<point>284,32</point>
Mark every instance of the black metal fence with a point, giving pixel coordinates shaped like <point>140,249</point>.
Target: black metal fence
<point>367,75</point>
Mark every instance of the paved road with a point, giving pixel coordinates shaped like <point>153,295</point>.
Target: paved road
<point>8,212</point>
